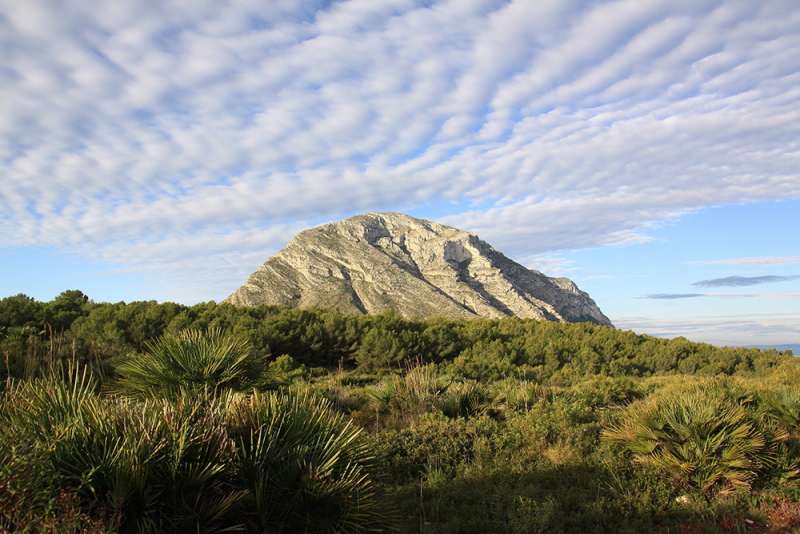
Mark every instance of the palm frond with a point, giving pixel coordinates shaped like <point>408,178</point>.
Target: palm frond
<point>191,362</point>
<point>702,438</point>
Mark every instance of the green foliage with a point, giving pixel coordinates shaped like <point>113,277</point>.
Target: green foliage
<point>400,399</point>
<point>495,427</point>
<point>192,464</point>
<point>190,362</point>
<point>453,455</point>
<point>162,464</point>
<point>29,504</point>
<point>778,413</point>
<point>520,394</point>
<point>703,439</point>
<point>482,350</point>
<point>408,395</point>
<point>159,466</point>
<point>437,446</point>
<point>65,309</point>
<point>538,465</point>
<point>21,310</point>
<point>33,416</point>
<point>534,471</point>
<point>468,399</point>
<point>305,469</point>
<point>285,368</point>
<point>606,391</point>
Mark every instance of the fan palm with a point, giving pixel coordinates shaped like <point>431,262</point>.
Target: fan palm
<point>305,468</point>
<point>161,465</point>
<point>270,462</point>
<point>701,440</point>
<point>191,362</point>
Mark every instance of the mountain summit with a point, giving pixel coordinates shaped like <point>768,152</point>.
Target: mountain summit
<point>390,261</point>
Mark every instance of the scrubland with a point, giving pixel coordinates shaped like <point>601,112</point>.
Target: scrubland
<point>149,417</point>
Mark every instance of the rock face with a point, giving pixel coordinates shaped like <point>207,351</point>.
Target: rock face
<point>378,261</point>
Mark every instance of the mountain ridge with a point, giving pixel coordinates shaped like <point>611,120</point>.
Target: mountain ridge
<point>373,262</point>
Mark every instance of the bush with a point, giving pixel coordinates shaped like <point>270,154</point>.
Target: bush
<point>191,464</point>
<point>189,362</point>
<point>158,465</point>
<point>436,446</point>
<point>701,439</point>
<point>304,468</point>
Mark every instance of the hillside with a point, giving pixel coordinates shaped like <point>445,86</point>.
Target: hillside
<point>376,262</point>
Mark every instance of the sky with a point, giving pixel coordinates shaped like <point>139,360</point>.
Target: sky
<point>648,150</point>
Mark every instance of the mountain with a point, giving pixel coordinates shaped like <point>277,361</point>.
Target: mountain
<point>370,263</point>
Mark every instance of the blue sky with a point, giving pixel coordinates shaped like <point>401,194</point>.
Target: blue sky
<point>647,150</point>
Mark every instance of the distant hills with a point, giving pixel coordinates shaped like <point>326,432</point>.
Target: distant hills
<point>390,261</point>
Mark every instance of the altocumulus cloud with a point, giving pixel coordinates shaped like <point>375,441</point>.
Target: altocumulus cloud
<point>162,132</point>
<point>736,281</point>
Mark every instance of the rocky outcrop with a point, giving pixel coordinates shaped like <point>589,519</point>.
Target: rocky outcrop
<point>379,261</point>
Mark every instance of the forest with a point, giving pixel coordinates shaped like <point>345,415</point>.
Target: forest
<point>148,417</point>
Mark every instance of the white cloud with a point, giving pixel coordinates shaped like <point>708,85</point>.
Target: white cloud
<point>549,264</point>
<point>563,125</point>
<point>784,260</point>
<point>732,329</point>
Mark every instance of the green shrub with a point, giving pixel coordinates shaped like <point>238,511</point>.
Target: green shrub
<point>778,413</point>
<point>436,446</point>
<point>521,394</point>
<point>468,399</point>
<point>158,465</point>
<point>304,468</point>
<point>401,399</point>
<point>701,439</point>
<point>190,464</point>
<point>602,392</point>
<point>189,362</point>
<point>29,503</point>
<point>287,369</point>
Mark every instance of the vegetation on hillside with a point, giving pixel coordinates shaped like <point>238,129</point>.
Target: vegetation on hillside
<point>149,417</point>
<point>74,327</point>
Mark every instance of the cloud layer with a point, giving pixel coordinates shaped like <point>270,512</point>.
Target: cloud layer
<point>673,296</point>
<point>737,281</point>
<point>727,329</point>
<point>759,261</point>
<point>187,138</point>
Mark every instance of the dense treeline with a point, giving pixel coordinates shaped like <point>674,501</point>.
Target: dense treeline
<point>72,325</point>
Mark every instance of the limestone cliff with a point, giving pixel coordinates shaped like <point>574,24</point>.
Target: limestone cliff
<point>378,261</point>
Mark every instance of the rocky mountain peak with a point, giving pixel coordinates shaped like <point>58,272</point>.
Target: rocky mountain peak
<point>378,261</point>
